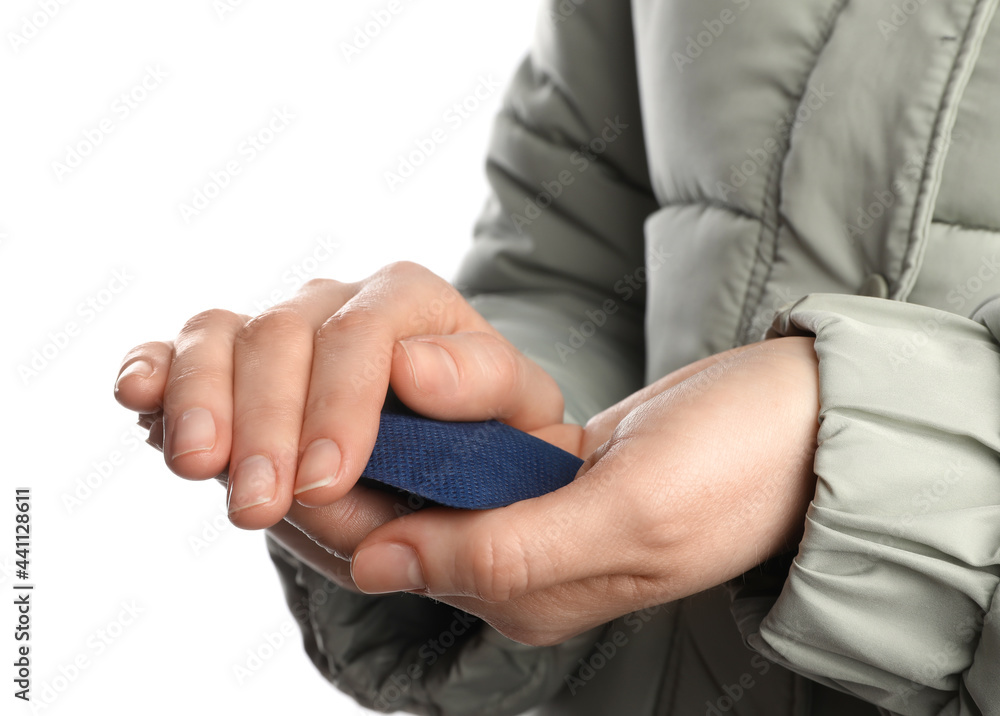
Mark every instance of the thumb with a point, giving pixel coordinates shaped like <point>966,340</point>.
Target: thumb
<point>474,375</point>
<point>575,532</point>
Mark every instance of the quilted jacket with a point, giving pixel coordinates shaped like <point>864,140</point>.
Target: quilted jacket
<point>670,179</point>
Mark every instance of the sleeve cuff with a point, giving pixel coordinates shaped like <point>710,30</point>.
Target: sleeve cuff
<point>892,595</point>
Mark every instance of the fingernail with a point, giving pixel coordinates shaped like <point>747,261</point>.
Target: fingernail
<point>194,431</point>
<point>387,567</point>
<point>141,368</point>
<point>252,485</point>
<point>434,369</point>
<point>155,438</point>
<point>319,465</point>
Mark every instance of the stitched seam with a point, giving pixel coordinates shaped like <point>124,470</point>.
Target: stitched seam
<point>772,199</point>
<point>618,248</point>
<point>967,227</point>
<point>559,138</point>
<point>915,244</point>
<point>712,204</point>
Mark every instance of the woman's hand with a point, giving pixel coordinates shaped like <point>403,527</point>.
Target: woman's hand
<point>694,480</point>
<point>290,399</point>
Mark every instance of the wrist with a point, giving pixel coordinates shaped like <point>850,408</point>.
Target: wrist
<point>791,373</point>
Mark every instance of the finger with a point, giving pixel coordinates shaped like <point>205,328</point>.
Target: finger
<point>143,375</point>
<point>334,568</point>
<point>565,436</point>
<point>471,376</point>
<point>351,362</point>
<point>272,360</point>
<point>341,525</point>
<point>499,555</point>
<point>198,397</point>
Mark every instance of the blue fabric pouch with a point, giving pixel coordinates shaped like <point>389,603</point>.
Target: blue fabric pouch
<point>472,465</point>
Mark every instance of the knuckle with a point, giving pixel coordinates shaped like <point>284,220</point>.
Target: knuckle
<point>406,269</point>
<point>151,350</point>
<point>353,319</point>
<point>207,319</point>
<point>323,404</point>
<point>203,374</point>
<point>275,323</point>
<point>511,363</point>
<point>501,366</point>
<point>272,414</point>
<point>498,568</point>
<point>319,285</point>
<point>325,290</point>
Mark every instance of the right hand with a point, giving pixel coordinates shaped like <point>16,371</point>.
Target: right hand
<point>291,398</point>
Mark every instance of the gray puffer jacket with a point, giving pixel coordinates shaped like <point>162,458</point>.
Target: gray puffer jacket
<point>673,178</point>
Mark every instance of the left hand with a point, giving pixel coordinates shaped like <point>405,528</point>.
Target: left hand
<point>689,482</point>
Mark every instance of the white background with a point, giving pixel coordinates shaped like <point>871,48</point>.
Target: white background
<point>137,535</point>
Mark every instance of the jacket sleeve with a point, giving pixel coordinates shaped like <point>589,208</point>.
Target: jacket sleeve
<point>557,263</point>
<point>557,267</point>
<point>892,596</point>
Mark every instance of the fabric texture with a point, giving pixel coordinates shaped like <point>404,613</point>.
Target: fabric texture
<point>403,652</point>
<point>473,465</point>
<point>670,179</point>
<point>906,512</point>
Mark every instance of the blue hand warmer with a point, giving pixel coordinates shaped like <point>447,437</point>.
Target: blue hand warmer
<point>475,465</point>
